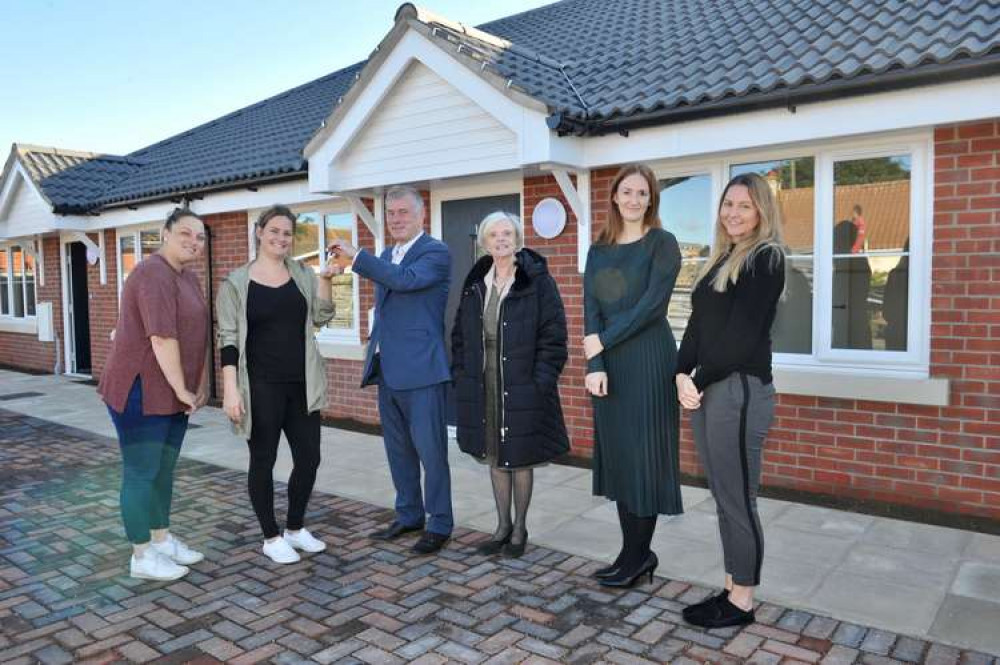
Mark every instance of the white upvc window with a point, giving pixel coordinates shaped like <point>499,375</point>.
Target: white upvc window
<point>17,282</point>
<point>134,244</point>
<point>316,226</point>
<point>857,220</point>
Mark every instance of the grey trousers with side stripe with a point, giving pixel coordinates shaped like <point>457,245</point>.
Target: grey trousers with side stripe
<point>729,431</point>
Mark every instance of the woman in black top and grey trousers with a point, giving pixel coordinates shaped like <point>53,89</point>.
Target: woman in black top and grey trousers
<point>724,379</point>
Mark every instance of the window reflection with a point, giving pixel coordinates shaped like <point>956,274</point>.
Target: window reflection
<point>341,226</point>
<point>126,246</point>
<point>793,183</point>
<point>871,253</point>
<point>4,283</point>
<point>686,210</point>
<point>307,244</point>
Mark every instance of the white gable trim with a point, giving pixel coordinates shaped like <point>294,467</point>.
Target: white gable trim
<point>8,193</point>
<point>526,120</point>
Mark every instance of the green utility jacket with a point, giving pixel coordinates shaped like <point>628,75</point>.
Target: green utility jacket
<point>231,312</point>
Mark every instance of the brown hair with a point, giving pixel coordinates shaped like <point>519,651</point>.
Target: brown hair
<point>609,234</point>
<point>271,213</point>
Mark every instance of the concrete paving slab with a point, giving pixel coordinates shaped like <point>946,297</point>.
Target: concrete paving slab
<point>914,536</point>
<point>968,621</point>
<point>895,607</point>
<point>914,568</point>
<point>815,519</point>
<point>978,580</point>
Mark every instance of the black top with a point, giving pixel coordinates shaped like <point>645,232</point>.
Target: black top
<point>276,339</point>
<point>731,331</point>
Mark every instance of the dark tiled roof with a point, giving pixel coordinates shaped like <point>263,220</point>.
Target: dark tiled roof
<point>632,57</point>
<point>256,142</point>
<point>70,180</point>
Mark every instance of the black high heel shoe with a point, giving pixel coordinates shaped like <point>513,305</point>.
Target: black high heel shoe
<point>515,550</point>
<point>607,571</point>
<point>493,545</point>
<point>625,580</point>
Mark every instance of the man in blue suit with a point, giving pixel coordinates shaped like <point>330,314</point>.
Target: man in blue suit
<point>406,359</point>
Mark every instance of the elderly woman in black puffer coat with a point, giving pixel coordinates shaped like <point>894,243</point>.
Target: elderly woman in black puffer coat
<point>508,348</point>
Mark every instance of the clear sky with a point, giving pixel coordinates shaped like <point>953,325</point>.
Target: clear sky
<point>114,76</point>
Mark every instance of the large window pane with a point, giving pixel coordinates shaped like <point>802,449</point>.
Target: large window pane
<point>307,243</point>
<point>793,184</point>
<point>17,259</point>
<point>149,242</point>
<point>29,284</point>
<point>126,245</point>
<point>341,227</point>
<point>4,282</point>
<point>687,211</point>
<point>871,253</point>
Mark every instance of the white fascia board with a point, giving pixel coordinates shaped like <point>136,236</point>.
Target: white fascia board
<point>926,106</point>
<point>290,193</point>
<point>527,123</point>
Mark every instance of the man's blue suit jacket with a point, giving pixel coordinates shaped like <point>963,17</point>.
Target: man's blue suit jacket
<point>410,302</point>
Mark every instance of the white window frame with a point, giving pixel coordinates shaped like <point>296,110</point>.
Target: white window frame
<point>136,233</point>
<point>914,363</point>
<point>7,248</point>
<point>330,340</point>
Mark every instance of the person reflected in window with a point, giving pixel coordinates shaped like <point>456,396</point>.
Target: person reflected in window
<point>274,378</point>
<point>895,302</point>
<point>508,349</point>
<point>631,360</point>
<point>792,330</point>
<point>724,380</point>
<point>852,278</point>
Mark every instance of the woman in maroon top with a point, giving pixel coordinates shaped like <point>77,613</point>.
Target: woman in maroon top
<point>152,382</point>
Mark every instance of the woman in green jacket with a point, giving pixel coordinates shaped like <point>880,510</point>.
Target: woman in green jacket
<point>274,376</point>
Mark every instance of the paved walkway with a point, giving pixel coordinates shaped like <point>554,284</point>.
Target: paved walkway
<point>861,589</point>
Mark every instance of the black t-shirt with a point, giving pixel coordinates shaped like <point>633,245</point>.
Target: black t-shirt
<point>276,338</point>
<point>731,331</point>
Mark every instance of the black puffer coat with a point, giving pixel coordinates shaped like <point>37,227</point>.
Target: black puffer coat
<point>533,351</point>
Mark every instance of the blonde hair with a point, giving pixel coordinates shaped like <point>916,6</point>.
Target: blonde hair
<point>651,220</point>
<point>495,218</point>
<point>766,235</point>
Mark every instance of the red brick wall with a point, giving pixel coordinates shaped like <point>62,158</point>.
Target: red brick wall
<point>103,302</point>
<point>24,350</point>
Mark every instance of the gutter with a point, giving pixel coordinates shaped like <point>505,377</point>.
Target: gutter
<point>834,89</point>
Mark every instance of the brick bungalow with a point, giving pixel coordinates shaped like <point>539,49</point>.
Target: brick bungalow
<point>878,126</point>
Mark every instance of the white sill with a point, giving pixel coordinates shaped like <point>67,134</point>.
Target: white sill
<point>861,385</point>
<point>341,350</point>
<point>27,326</point>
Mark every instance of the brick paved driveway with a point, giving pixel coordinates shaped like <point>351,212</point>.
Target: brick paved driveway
<point>64,596</point>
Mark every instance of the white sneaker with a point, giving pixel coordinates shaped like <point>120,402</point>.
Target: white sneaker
<point>174,549</point>
<point>155,566</point>
<point>280,551</point>
<point>305,541</point>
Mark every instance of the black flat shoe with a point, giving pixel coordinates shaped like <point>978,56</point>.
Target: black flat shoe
<point>494,545</point>
<point>705,608</point>
<point>723,614</point>
<point>429,543</point>
<point>395,530</point>
<point>625,580</point>
<point>514,550</point>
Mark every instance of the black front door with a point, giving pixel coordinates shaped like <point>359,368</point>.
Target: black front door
<point>459,225</point>
<point>80,308</point>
